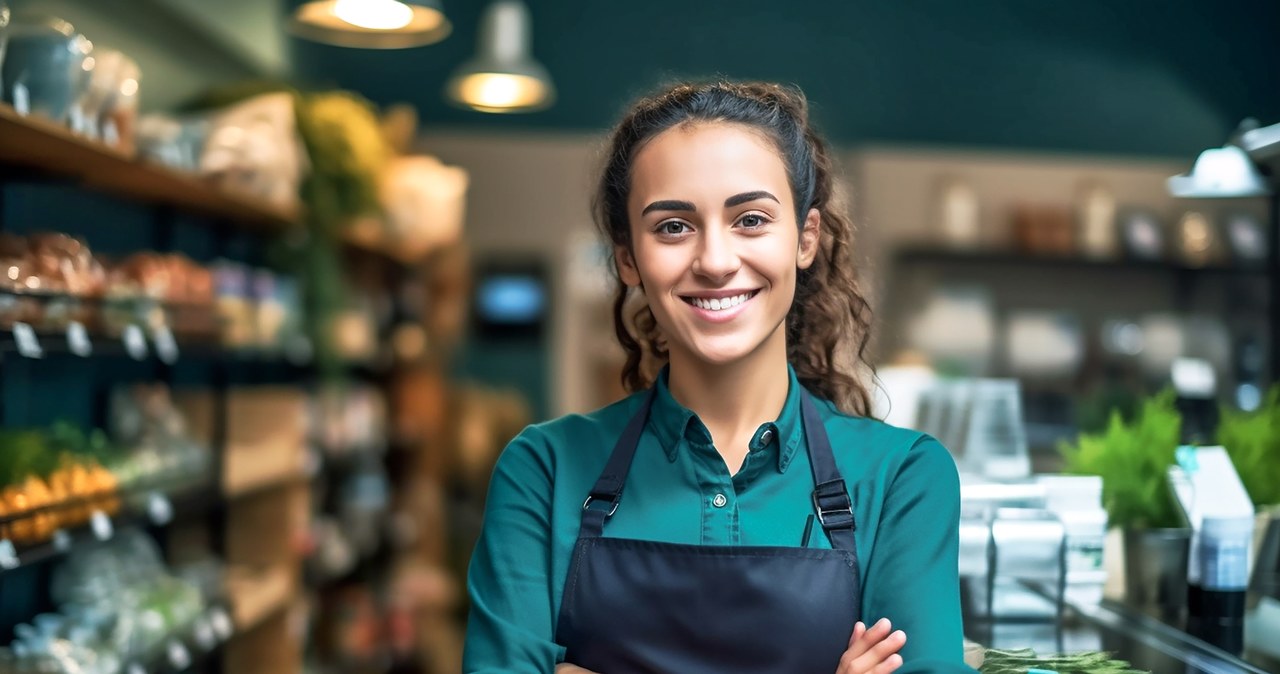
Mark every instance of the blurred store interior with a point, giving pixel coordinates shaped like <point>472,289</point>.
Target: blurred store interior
<point>283,278</point>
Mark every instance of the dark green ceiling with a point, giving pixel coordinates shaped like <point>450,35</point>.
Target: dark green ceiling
<point>1123,77</point>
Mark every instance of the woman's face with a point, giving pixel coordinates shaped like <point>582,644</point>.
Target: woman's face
<point>715,242</point>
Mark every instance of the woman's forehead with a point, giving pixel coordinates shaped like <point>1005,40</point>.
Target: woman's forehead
<point>710,159</point>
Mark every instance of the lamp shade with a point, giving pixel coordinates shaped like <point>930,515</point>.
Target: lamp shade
<point>371,24</point>
<point>1225,172</point>
<point>503,77</point>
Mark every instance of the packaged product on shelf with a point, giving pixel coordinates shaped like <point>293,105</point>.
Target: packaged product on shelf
<point>59,477</point>
<point>16,304</point>
<point>234,301</point>
<point>119,605</point>
<point>293,332</point>
<point>172,142</point>
<point>45,67</point>
<point>270,312</point>
<point>47,277</point>
<point>69,272</point>
<point>189,309</point>
<point>161,451</point>
<point>252,148</point>
<point>424,201</point>
<point>111,106</point>
<point>52,479</point>
<point>354,331</point>
<point>349,419</point>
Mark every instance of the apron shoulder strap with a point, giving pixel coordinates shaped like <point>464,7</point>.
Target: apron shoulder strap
<point>603,500</point>
<point>830,495</point>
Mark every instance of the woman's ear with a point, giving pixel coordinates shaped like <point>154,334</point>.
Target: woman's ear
<point>627,270</point>
<point>809,237</point>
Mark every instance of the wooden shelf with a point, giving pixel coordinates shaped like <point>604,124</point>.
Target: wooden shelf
<point>256,595</point>
<point>1007,258</point>
<point>48,150</point>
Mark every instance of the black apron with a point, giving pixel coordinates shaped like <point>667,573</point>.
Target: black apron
<point>635,606</point>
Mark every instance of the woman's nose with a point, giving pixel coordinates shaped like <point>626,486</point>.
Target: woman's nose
<point>717,256</point>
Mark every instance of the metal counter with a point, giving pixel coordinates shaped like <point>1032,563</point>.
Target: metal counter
<point>1145,642</point>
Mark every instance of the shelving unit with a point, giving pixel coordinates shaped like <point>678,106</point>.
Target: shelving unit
<point>38,149</point>
<point>34,149</point>
<point>258,495</point>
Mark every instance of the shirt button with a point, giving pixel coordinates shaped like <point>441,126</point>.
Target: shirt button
<point>719,501</point>
<point>767,436</point>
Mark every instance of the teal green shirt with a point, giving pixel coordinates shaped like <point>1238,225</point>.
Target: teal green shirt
<point>904,486</point>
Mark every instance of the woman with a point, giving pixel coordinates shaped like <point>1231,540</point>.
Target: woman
<point>674,531</point>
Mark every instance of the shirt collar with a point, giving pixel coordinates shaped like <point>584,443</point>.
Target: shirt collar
<point>672,422</point>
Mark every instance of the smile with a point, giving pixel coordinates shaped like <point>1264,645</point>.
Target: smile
<point>719,303</point>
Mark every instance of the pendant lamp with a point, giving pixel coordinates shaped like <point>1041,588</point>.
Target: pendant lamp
<point>371,24</point>
<point>503,76</point>
<point>1232,171</point>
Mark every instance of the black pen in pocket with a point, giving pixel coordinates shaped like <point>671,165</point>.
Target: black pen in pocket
<point>808,529</point>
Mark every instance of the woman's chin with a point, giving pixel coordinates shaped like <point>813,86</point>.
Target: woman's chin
<point>721,352</point>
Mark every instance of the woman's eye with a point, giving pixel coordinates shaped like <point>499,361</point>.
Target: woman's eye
<point>752,221</point>
<point>672,228</point>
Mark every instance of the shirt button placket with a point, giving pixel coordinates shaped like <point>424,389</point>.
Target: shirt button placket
<point>719,501</point>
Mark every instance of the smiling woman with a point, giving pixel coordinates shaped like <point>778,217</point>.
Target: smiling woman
<point>718,200</point>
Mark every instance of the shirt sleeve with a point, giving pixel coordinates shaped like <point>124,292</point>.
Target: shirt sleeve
<point>913,578</point>
<point>511,626</point>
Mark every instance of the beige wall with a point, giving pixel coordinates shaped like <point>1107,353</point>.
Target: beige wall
<point>529,195</point>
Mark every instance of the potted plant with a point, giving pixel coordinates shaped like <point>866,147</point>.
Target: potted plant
<point>1133,457</point>
<point>1252,439</point>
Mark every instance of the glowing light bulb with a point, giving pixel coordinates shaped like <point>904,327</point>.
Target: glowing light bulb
<point>501,91</point>
<point>374,14</point>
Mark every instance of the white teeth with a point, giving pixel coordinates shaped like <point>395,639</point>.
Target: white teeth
<point>719,304</point>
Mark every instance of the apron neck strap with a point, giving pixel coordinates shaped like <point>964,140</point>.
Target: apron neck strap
<point>830,496</point>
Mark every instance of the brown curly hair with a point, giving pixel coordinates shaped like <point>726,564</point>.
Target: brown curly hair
<point>829,324</point>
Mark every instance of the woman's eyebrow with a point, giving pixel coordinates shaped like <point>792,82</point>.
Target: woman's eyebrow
<point>739,199</point>
<point>669,205</point>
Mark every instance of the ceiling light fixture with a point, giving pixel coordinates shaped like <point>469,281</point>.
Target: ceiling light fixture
<point>371,24</point>
<point>503,76</point>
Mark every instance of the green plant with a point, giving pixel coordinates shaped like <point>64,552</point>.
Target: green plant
<point>1133,459</point>
<point>997,661</point>
<point>1252,439</point>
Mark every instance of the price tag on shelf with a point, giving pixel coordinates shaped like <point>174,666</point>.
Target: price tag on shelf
<point>61,540</point>
<point>221,623</point>
<point>101,525</point>
<point>28,345</point>
<point>78,339</point>
<point>178,654</point>
<point>166,345</point>
<point>135,342</point>
<point>8,555</point>
<point>160,509</point>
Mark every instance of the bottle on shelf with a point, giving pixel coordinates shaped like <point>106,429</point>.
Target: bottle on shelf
<point>1214,500</point>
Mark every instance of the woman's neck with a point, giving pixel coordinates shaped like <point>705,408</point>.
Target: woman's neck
<point>732,400</point>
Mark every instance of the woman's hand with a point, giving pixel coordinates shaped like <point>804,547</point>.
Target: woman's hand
<point>566,668</point>
<point>873,651</point>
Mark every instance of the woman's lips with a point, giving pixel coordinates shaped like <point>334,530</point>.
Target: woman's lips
<point>722,309</point>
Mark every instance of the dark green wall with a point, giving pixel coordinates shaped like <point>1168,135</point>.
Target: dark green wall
<point>1138,77</point>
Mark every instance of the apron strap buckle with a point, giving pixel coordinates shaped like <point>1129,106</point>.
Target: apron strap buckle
<point>613,508</point>
<point>835,510</point>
